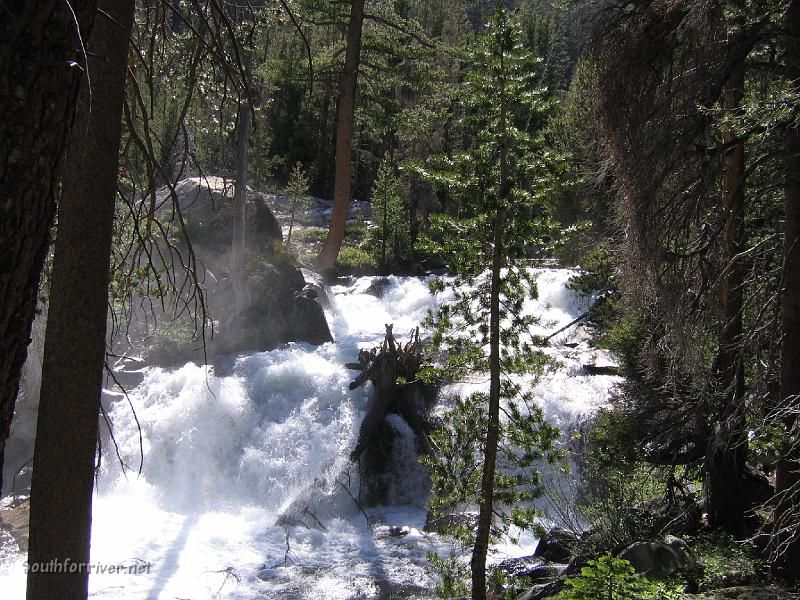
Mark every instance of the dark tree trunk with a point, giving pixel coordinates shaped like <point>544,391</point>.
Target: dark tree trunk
<point>38,43</point>
<point>483,534</point>
<point>727,500</point>
<point>75,341</point>
<point>344,139</point>
<point>481,548</point>
<point>323,160</point>
<point>787,476</point>
<point>238,244</point>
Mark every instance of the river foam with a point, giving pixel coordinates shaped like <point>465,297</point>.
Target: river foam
<point>225,455</point>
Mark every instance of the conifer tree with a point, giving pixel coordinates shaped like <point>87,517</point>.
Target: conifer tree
<point>497,185</point>
<point>296,190</point>
<point>388,211</point>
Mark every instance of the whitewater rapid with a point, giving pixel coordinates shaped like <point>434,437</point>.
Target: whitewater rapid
<point>226,454</point>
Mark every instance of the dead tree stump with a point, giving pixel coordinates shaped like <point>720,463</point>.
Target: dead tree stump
<point>392,368</point>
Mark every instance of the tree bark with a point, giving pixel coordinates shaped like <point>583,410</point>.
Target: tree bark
<point>727,502</point>
<point>482,536</point>
<point>75,341</point>
<point>787,474</point>
<point>39,46</point>
<point>344,139</point>
<point>240,209</point>
<point>481,548</point>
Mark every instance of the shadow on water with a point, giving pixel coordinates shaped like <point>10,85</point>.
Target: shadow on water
<point>169,563</point>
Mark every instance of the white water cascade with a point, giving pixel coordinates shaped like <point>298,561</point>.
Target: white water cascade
<point>224,455</point>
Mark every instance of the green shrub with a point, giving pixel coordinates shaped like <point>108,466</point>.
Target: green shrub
<point>722,562</point>
<point>354,258</point>
<point>598,275</point>
<point>311,234</point>
<point>610,578</point>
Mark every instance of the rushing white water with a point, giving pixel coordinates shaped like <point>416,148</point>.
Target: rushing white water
<point>224,456</point>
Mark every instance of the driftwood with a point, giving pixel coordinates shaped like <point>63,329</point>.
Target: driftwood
<point>602,298</point>
<point>392,368</point>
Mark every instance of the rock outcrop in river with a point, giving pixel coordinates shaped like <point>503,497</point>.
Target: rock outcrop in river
<point>282,306</point>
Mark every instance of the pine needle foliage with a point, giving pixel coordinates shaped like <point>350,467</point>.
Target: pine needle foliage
<point>496,188</point>
<point>297,192</point>
<point>391,235</point>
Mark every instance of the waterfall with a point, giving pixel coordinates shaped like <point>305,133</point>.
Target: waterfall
<point>18,460</point>
<point>226,454</point>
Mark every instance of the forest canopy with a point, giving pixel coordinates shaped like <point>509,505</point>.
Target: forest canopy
<point>651,146</point>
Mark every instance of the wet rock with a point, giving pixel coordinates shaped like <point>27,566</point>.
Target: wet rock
<point>521,566</point>
<point>545,572</point>
<point>541,590</point>
<point>378,287</point>
<point>558,545</point>
<point>440,524</point>
<point>14,521</point>
<point>601,369</point>
<point>315,285</point>
<point>128,376</point>
<point>281,310</point>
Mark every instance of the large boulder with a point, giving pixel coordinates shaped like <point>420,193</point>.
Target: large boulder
<point>657,560</point>
<point>206,205</point>
<point>280,305</point>
<point>280,309</point>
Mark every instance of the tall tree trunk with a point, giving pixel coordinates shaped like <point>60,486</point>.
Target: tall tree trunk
<point>240,209</point>
<point>481,548</point>
<point>75,341</point>
<point>344,138</point>
<point>726,500</point>
<point>39,41</point>
<point>323,160</point>
<point>482,536</point>
<point>787,475</point>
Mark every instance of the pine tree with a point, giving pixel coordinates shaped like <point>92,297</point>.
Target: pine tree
<point>296,190</point>
<point>497,186</point>
<point>388,211</point>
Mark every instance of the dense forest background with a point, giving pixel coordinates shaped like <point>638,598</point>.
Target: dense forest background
<point>659,153</point>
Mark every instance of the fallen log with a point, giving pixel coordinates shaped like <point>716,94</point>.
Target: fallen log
<point>392,369</point>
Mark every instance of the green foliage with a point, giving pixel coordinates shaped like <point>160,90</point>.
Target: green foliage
<point>355,258</point>
<point>598,276</point>
<point>356,233</point>
<point>297,192</point>
<point>297,186</point>
<point>721,562</point>
<point>610,578</point>
<point>619,497</point>
<point>391,236</point>
<point>581,195</point>
<point>502,171</point>
<point>453,574</point>
<point>598,272</point>
<point>312,234</point>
